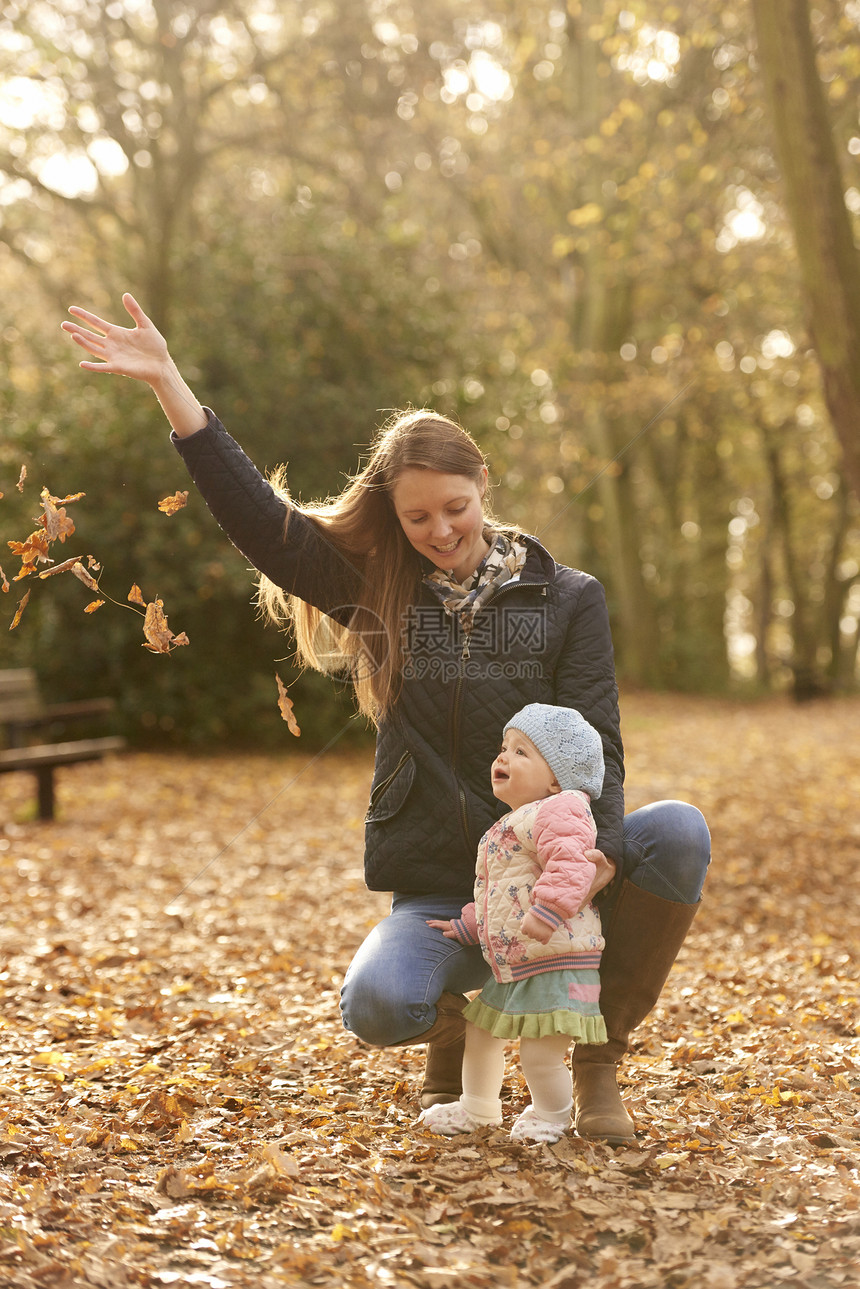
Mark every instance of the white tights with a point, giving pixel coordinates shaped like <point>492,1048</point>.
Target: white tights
<point>543,1064</point>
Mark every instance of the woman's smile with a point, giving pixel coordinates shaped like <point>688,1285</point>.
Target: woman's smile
<point>443,519</point>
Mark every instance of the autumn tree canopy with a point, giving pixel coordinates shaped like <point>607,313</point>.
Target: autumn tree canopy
<point>565,225</point>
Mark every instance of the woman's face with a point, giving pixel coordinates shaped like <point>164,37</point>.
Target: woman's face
<point>443,518</point>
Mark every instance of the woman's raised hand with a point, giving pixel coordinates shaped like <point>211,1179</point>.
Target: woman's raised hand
<point>139,351</point>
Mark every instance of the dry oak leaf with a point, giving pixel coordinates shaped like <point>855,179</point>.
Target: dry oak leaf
<point>170,505</point>
<point>83,576</point>
<point>285,703</point>
<point>57,524</point>
<point>173,1181</point>
<point>135,596</point>
<point>19,612</point>
<point>4,581</point>
<point>281,1162</point>
<point>159,637</point>
<point>61,501</point>
<point>93,605</point>
<point>33,550</point>
<point>61,568</point>
<point>21,477</point>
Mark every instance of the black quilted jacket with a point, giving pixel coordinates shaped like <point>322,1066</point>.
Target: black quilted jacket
<point>544,638</point>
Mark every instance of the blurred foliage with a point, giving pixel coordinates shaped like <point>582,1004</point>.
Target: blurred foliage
<point>562,224</point>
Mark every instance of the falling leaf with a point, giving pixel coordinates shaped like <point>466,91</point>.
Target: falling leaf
<point>4,583</point>
<point>285,703</point>
<point>135,596</point>
<point>62,501</point>
<point>93,605</point>
<point>60,568</point>
<point>21,477</point>
<point>57,524</point>
<point>155,628</point>
<point>19,612</point>
<point>33,550</point>
<point>159,637</point>
<point>83,576</point>
<point>170,505</point>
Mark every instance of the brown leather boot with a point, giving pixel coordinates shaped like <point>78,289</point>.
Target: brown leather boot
<point>445,1041</point>
<point>644,935</point>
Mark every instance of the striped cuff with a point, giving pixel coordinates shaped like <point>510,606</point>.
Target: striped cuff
<point>547,915</point>
<point>461,931</point>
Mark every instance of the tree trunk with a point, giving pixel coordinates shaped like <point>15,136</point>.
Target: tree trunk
<point>598,302</point>
<point>808,682</point>
<point>763,618</point>
<point>814,194</point>
<point>637,645</point>
<point>836,590</point>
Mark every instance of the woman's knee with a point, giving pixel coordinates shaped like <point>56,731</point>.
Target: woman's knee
<point>378,1011</point>
<point>668,850</point>
<point>684,829</point>
<point>390,990</point>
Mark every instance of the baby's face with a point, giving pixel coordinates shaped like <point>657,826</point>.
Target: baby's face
<point>519,773</point>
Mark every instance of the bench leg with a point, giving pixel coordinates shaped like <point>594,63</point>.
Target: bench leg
<point>45,775</point>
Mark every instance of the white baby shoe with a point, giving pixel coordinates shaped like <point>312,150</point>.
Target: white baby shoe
<point>531,1127</point>
<point>452,1119</point>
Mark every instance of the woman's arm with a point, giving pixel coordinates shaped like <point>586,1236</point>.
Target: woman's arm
<point>139,352</point>
<point>242,501</point>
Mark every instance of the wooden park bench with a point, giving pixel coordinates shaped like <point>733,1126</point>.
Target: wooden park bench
<point>23,716</point>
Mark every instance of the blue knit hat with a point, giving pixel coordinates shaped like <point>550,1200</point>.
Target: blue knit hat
<point>570,746</point>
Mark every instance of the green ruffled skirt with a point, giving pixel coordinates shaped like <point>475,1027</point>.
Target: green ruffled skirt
<point>554,1002</point>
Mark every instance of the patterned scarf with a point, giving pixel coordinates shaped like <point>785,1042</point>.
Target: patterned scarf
<point>502,563</point>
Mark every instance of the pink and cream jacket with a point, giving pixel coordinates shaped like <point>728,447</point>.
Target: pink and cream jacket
<point>533,858</point>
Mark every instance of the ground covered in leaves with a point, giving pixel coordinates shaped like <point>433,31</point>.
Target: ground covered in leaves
<point>180,1105</point>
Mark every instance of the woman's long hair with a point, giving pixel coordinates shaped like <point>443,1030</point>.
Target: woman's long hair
<point>362,524</point>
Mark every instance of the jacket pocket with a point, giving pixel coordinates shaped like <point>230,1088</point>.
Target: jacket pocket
<point>388,796</point>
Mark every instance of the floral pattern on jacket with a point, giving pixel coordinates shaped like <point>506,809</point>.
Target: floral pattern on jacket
<point>534,858</point>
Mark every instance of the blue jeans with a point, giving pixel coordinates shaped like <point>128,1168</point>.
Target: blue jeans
<point>390,991</point>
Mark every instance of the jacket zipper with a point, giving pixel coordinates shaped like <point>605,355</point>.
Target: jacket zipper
<point>465,654</point>
<point>387,781</point>
<point>486,912</point>
<point>455,757</point>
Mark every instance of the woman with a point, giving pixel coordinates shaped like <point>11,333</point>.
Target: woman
<point>450,623</point>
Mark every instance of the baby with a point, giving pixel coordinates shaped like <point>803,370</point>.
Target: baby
<point>536,928</point>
